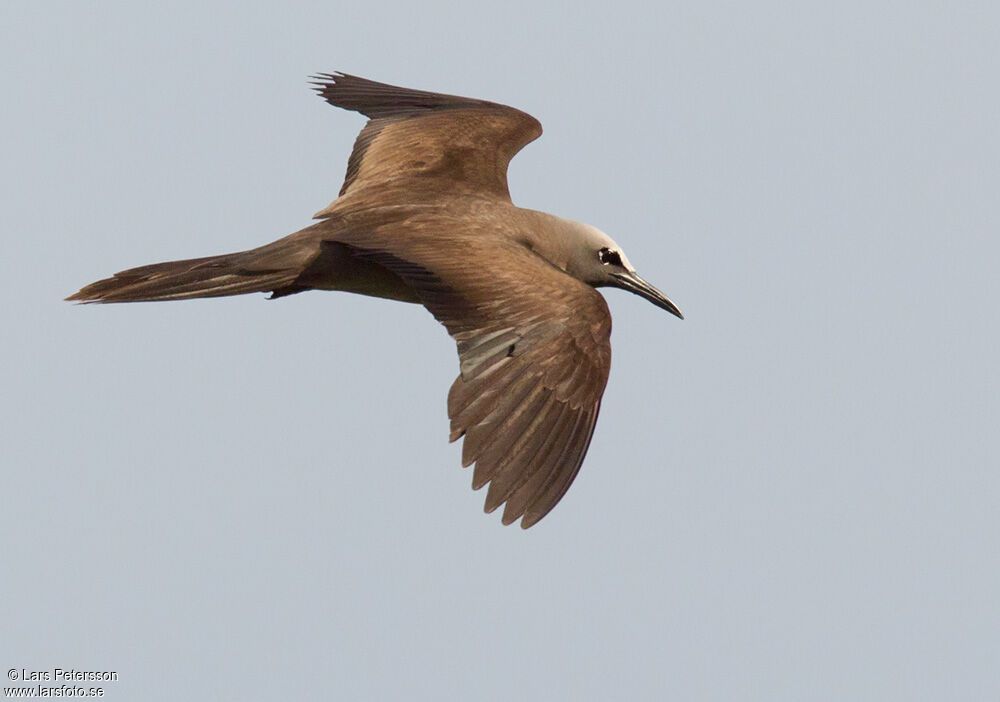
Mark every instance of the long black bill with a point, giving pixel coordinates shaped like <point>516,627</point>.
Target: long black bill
<point>633,283</point>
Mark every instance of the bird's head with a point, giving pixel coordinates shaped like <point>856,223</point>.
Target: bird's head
<point>597,260</point>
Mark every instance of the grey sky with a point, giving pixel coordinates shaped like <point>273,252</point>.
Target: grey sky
<point>792,494</point>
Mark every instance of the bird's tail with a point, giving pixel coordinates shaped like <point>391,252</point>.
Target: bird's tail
<point>213,276</point>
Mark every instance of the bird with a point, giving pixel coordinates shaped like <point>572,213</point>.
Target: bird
<point>425,216</point>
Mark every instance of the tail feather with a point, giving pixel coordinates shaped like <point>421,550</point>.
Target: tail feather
<point>213,276</point>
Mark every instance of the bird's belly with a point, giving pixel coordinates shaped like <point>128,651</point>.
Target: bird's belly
<point>336,268</point>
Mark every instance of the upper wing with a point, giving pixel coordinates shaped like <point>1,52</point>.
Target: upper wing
<point>534,347</point>
<point>427,143</point>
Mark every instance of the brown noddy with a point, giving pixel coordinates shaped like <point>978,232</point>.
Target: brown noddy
<point>424,215</point>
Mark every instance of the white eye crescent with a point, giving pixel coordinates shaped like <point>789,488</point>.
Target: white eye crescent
<point>609,257</point>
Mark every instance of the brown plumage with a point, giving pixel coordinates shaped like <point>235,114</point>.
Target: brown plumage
<point>425,216</point>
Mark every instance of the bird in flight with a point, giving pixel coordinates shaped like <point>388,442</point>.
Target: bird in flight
<point>424,216</point>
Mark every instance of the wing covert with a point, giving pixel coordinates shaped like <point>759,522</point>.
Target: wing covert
<point>426,144</point>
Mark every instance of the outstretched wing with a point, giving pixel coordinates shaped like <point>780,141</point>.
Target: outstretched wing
<point>534,348</point>
<point>427,143</point>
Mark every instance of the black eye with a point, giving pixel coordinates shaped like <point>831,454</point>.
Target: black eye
<point>609,257</point>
